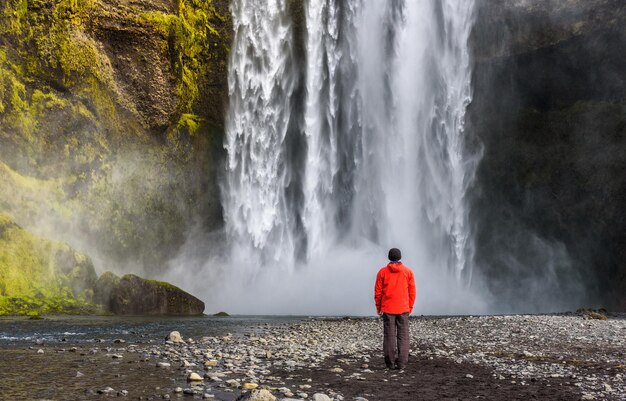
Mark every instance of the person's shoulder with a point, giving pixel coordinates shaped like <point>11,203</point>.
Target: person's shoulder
<point>407,268</point>
<point>382,270</point>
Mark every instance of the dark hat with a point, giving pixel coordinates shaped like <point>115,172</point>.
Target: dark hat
<point>395,254</point>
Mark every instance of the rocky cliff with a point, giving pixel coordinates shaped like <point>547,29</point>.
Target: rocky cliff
<point>110,122</point>
<point>549,110</point>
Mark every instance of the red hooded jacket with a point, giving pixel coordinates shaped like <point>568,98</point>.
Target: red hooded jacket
<point>394,292</point>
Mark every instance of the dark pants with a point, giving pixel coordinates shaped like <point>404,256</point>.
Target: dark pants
<point>396,342</point>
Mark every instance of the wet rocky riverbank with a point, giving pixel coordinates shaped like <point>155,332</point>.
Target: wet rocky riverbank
<point>567,357</point>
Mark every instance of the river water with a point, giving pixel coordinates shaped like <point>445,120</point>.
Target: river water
<point>91,329</point>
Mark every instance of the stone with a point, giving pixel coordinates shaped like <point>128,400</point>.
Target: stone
<point>163,365</point>
<point>106,390</point>
<point>194,377</point>
<point>320,397</point>
<point>258,395</point>
<point>40,351</point>
<point>103,287</point>
<point>469,376</point>
<point>174,337</point>
<point>249,386</point>
<point>233,383</point>
<point>134,295</point>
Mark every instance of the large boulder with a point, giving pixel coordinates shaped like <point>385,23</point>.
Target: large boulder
<point>103,288</point>
<point>134,295</point>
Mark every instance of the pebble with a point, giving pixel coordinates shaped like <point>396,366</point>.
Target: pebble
<point>194,377</point>
<point>259,395</point>
<point>175,337</point>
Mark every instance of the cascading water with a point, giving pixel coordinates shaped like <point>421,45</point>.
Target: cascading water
<point>261,85</point>
<point>379,138</point>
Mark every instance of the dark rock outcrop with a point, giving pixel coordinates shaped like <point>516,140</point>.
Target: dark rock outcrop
<point>134,295</point>
<point>103,288</point>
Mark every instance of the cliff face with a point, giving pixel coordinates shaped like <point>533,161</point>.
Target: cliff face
<point>110,122</point>
<point>549,108</point>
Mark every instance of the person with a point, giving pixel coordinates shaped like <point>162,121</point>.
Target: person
<point>394,294</point>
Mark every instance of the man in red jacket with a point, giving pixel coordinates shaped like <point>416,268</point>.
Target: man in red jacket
<point>394,295</point>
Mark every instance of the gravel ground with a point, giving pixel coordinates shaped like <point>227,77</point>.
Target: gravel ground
<point>560,357</point>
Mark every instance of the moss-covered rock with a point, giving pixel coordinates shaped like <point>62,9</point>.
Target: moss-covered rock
<point>134,295</point>
<point>41,276</point>
<point>103,288</point>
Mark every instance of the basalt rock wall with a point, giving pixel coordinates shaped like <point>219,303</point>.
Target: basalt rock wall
<point>549,110</point>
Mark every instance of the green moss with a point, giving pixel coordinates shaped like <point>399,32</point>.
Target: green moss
<point>31,279</point>
<point>192,38</point>
<point>162,284</point>
<point>189,122</point>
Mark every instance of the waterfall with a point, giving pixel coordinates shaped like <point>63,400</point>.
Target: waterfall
<point>261,85</point>
<point>371,156</point>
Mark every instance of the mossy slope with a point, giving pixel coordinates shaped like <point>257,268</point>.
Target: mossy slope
<point>42,276</point>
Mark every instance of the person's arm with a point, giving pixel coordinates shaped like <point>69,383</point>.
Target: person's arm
<point>378,292</point>
<point>411,291</point>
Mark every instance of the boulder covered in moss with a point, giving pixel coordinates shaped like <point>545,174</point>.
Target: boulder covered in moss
<point>103,288</point>
<point>134,295</point>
